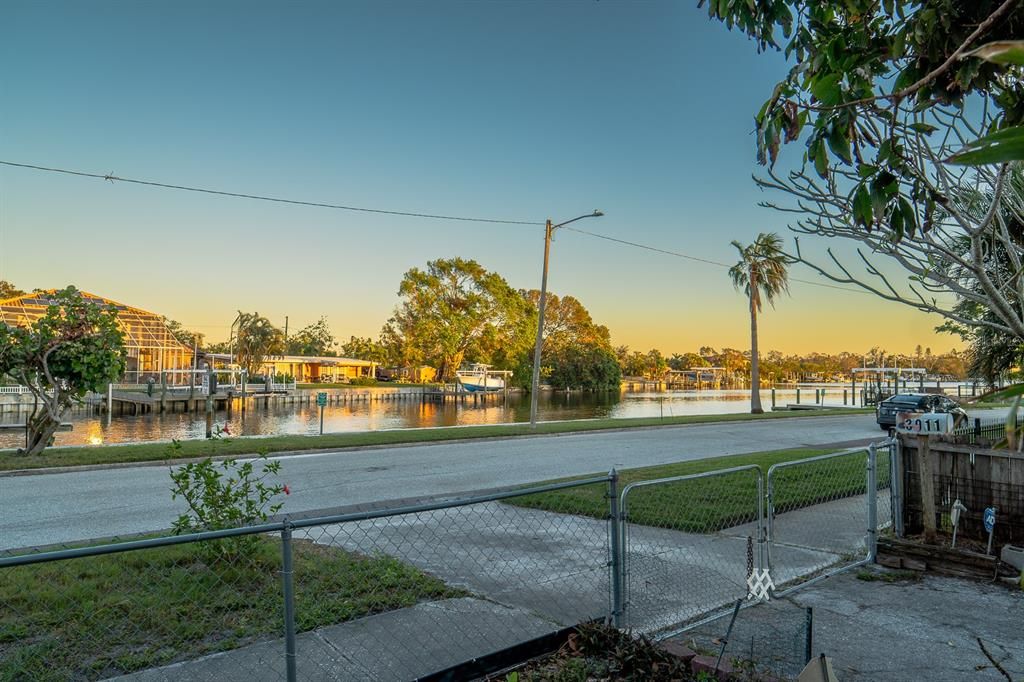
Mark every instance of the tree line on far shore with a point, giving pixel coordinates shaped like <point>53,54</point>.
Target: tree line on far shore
<point>454,312</point>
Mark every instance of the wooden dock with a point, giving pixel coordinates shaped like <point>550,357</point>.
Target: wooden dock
<point>138,402</point>
<point>443,395</point>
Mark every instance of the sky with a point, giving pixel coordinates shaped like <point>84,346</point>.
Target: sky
<point>508,110</point>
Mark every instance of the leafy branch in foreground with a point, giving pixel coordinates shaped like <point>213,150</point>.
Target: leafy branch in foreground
<point>883,94</point>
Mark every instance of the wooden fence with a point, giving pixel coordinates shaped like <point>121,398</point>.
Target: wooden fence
<point>978,477</point>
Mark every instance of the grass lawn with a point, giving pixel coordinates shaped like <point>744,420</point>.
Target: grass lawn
<point>102,616</point>
<point>157,452</point>
<point>711,504</point>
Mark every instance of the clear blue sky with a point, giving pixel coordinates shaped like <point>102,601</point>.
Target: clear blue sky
<point>520,110</point>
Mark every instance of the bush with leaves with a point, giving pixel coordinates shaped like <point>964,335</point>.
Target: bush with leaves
<point>74,348</point>
<point>225,494</point>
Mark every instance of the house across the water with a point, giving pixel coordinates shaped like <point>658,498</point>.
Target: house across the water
<point>151,346</point>
<point>304,369</point>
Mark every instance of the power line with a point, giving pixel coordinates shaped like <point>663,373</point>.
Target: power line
<point>317,204</point>
<point>114,178</point>
<point>702,260</point>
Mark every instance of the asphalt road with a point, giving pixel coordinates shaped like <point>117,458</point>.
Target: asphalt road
<point>45,509</point>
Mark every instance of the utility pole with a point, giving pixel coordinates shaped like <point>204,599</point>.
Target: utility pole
<point>535,382</point>
<point>549,231</point>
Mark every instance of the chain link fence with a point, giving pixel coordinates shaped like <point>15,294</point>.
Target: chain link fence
<point>392,594</point>
<point>400,593</point>
<point>822,514</point>
<point>690,544</point>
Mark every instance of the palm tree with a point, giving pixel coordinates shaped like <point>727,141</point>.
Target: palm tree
<point>254,338</point>
<point>762,275</point>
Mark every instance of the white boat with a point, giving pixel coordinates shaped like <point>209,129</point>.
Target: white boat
<point>477,378</point>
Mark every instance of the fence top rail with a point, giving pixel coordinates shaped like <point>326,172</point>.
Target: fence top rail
<point>691,477</point>
<point>279,526</point>
<point>446,503</point>
<point>820,458</point>
<point>132,545</point>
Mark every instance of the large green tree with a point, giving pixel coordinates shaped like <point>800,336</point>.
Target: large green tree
<point>184,336</point>
<point>593,367</point>
<point>314,339</point>
<point>74,348</point>
<point>254,339</point>
<point>568,325</point>
<point>451,311</point>
<point>8,290</point>
<point>885,94</point>
<point>365,348</point>
<point>761,274</point>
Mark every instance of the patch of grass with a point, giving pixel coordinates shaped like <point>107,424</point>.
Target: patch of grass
<point>157,452</point>
<point>893,576</point>
<point>101,616</point>
<point>710,504</point>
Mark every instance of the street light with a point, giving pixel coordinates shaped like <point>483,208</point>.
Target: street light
<point>549,230</point>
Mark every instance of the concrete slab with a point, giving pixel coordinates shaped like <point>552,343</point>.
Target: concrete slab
<point>395,646</point>
<point>902,631</point>
<point>554,565</point>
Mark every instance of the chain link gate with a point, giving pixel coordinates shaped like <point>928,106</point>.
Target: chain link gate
<point>686,563</point>
<point>822,513</point>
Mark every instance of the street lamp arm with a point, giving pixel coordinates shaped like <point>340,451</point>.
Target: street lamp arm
<point>595,214</point>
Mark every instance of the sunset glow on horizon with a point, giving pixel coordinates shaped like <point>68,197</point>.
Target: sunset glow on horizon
<point>552,111</point>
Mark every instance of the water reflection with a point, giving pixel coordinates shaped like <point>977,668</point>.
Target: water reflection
<point>90,428</point>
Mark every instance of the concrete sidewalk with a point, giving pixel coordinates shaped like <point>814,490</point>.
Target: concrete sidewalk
<point>398,645</point>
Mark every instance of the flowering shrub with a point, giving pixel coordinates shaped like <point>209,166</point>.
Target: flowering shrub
<point>223,495</point>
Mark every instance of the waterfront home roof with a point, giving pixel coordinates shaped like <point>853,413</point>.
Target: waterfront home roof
<point>143,330</point>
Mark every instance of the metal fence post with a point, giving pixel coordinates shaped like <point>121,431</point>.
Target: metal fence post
<point>872,475</point>
<point>769,512</point>
<point>615,530</point>
<point>896,484</point>
<point>762,529</point>
<point>289,602</point>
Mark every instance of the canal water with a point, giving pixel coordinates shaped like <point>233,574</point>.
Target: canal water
<point>89,426</point>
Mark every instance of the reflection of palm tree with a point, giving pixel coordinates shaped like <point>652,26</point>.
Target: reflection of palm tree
<point>760,273</point>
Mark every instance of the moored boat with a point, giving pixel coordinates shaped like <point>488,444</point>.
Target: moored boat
<point>477,378</point>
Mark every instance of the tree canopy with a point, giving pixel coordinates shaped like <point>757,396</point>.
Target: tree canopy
<point>593,367</point>
<point>74,348</point>
<point>887,96</point>
<point>254,339</point>
<point>314,339</point>
<point>455,310</point>
<point>8,290</point>
<point>185,337</point>
<point>364,348</point>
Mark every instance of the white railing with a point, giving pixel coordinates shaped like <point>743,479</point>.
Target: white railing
<point>14,390</point>
<point>283,386</point>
